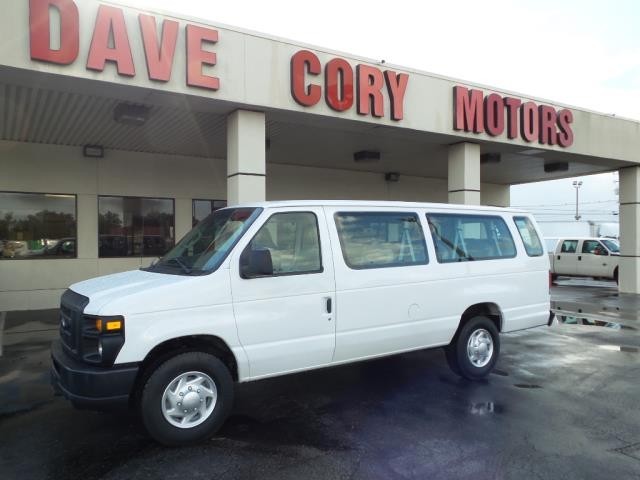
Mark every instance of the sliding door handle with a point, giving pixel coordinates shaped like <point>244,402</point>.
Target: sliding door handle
<point>329,304</point>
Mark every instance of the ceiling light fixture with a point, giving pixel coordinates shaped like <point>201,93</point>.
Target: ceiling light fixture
<point>93,151</point>
<point>556,167</point>
<point>490,158</point>
<point>392,177</point>
<point>366,156</point>
<point>131,114</point>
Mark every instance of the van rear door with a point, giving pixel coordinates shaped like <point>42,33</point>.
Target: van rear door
<point>566,260</point>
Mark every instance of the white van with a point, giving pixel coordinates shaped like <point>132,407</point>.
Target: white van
<point>281,287</point>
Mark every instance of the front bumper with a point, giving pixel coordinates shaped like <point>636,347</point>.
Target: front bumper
<point>91,387</point>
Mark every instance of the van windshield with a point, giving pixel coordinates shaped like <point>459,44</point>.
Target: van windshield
<point>203,249</point>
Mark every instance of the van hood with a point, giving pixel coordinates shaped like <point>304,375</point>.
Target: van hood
<point>120,286</point>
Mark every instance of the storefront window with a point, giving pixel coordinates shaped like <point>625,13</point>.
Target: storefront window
<point>135,227</point>
<point>202,209</point>
<point>37,225</point>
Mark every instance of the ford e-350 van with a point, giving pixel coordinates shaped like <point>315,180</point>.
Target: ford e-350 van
<point>280,287</point>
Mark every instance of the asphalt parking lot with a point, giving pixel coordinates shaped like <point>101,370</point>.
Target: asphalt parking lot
<point>562,403</point>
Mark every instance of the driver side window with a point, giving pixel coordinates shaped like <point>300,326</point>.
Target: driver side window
<point>594,247</point>
<point>292,242</point>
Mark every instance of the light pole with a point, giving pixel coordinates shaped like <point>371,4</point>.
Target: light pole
<point>577,186</point>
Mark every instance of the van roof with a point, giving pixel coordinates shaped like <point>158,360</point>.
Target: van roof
<point>579,237</point>
<point>376,203</point>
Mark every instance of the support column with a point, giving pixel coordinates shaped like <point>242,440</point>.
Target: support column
<point>246,157</point>
<point>629,269</point>
<point>183,218</point>
<point>87,242</point>
<point>495,195</point>
<point>464,173</point>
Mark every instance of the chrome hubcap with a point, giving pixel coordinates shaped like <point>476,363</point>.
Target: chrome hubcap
<point>189,399</point>
<point>480,348</point>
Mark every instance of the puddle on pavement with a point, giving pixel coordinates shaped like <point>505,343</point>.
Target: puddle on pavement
<point>485,408</point>
<point>574,320</point>
<point>526,385</point>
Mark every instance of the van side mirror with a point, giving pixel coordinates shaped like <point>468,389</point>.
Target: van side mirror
<point>255,263</point>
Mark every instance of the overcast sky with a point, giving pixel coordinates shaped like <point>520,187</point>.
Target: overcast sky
<point>584,53</point>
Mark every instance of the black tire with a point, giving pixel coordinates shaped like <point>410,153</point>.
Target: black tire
<point>554,278</point>
<point>456,351</point>
<point>151,403</point>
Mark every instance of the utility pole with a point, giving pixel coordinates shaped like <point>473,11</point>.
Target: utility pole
<point>577,186</point>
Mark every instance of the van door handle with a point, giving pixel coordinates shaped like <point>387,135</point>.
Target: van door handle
<point>329,304</point>
<point>579,257</point>
<point>558,257</point>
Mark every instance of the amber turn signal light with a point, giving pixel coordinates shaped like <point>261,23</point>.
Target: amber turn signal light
<point>114,325</point>
<point>108,325</point>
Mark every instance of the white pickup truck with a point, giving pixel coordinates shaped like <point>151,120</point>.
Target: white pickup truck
<point>585,257</point>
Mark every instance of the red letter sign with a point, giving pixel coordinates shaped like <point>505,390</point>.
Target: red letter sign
<point>338,84</point>
<point>512,105</point>
<point>529,121</point>
<point>370,81</point>
<point>565,136</point>
<point>547,116</point>
<point>159,58</point>
<point>110,21</point>
<point>467,110</point>
<point>304,62</point>
<point>494,115</point>
<point>40,32</point>
<point>197,57</point>
<point>396,86</point>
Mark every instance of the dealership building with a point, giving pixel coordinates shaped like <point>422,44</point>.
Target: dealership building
<point>122,128</point>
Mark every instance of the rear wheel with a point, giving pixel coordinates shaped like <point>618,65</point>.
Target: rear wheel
<point>187,398</point>
<point>474,350</point>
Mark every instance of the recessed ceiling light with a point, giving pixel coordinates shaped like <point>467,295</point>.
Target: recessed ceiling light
<point>366,156</point>
<point>131,114</point>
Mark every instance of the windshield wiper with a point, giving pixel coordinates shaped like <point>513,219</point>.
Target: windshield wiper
<point>182,265</point>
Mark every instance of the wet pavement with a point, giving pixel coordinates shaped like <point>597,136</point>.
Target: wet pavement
<point>595,299</point>
<point>562,403</point>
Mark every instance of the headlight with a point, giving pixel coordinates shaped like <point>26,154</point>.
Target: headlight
<point>102,338</point>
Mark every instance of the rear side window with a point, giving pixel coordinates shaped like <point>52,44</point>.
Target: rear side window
<point>459,237</point>
<point>381,239</point>
<point>569,246</point>
<point>532,243</point>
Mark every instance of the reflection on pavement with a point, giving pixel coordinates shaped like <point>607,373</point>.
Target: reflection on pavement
<point>573,320</point>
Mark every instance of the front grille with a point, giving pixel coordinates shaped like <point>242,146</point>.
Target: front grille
<point>72,306</point>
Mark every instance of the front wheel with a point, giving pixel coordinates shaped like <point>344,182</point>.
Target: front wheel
<point>187,398</point>
<point>474,350</point>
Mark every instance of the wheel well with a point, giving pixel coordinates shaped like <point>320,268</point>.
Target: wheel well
<point>488,309</point>
<point>201,343</point>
